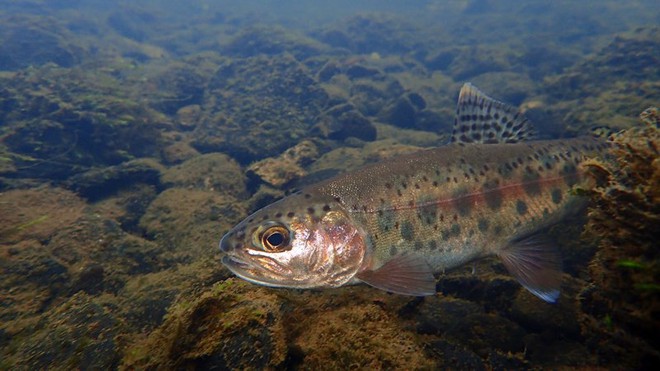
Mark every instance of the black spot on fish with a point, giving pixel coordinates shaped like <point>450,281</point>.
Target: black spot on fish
<point>386,220</point>
<point>482,224</point>
<point>407,231</point>
<point>521,207</point>
<point>445,234</point>
<point>570,179</point>
<point>556,195</point>
<point>455,229</point>
<point>393,251</point>
<point>462,202</point>
<point>290,214</point>
<point>326,208</point>
<point>433,244</point>
<point>493,195</point>
<point>568,169</point>
<point>308,196</point>
<point>428,213</point>
<point>418,245</point>
<point>531,184</point>
<point>278,215</point>
<point>311,210</point>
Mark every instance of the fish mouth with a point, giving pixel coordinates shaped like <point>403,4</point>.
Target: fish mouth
<point>234,263</point>
<point>250,272</point>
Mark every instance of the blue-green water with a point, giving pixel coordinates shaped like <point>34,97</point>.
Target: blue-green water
<point>133,135</point>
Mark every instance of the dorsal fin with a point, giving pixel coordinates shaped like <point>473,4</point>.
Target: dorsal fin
<point>482,119</point>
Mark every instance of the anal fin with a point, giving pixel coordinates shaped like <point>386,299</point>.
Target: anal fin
<point>536,265</point>
<point>404,274</point>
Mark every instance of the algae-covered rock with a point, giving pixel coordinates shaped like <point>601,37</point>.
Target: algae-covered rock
<point>34,41</point>
<point>271,40</point>
<point>231,326</point>
<point>178,152</point>
<point>287,167</point>
<point>621,308</point>
<point>343,121</point>
<point>99,183</point>
<point>36,214</point>
<point>258,107</point>
<point>360,335</point>
<point>380,33</point>
<point>79,333</point>
<point>211,172</point>
<point>83,119</point>
<point>188,223</point>
<point>610,87</point>
<point>146,298</point>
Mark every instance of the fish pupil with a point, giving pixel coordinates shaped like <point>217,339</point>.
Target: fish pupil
<point>275,239</point>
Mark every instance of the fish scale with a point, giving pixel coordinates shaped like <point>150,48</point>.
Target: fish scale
<point>393,224</point>
<point>508,190</point>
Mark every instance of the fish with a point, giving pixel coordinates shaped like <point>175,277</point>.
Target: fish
<point>398,223</point>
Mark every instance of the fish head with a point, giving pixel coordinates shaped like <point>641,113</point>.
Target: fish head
<point>301,241</point>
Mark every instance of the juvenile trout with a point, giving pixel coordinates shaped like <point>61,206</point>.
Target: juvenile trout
<point>395,223</point>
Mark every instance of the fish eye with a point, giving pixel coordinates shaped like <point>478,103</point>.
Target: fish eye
<point>275,239</point>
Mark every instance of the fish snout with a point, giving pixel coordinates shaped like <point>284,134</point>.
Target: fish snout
<point>225,245</point>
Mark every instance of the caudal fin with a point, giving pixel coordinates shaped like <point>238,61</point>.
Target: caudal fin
<point>535,263</point>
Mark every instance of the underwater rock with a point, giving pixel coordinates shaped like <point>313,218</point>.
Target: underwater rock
<point>259,107</point>
<point>343,121</point>
<point>145,299</point>
<point>329,70</point>
<point>610,87</point>
<point>133,23</point>
<point>364,34</point>
<point>363,333</point>
<point>621,307</point>
<point>476,60</point>
<point>211,172</point>
<point>466,323</point>
<point>34,41</point>
<point>437,121</point>
<point>187,116</point>
<point>187,223</point>
<point>180,85</point>
<point>78,333</point>
<point>99,183</point>
<point>286,168</point>
<point>511,87</point>
<point>537,316</point>
<point>401,113</point>
<point>36,214</point>
<point>178,152</point>
<point>100,240</point>
<point>234,325</point>
<point>78,125</point>
<point>269,40</point>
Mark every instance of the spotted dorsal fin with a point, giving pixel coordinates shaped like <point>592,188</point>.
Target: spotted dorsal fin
<point>482,119</point>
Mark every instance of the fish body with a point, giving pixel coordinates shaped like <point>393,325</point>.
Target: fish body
<point>394,223</point>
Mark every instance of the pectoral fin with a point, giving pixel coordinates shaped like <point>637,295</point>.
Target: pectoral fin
<point>403,274</point>
<point>536,265</point>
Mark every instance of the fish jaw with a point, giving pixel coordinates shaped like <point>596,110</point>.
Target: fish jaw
<point>324,247</point>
